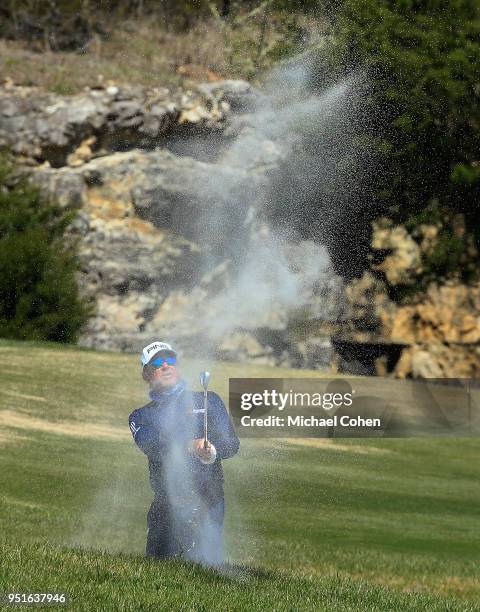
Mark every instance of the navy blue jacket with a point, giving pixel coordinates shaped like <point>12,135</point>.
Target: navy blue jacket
<point>172,422</point>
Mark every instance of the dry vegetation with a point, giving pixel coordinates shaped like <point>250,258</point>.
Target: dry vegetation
<point>146,52</point>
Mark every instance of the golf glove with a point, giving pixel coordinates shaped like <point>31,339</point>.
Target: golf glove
<point>213,456</point>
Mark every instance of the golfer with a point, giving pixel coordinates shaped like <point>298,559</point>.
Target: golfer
<point>186,515</point>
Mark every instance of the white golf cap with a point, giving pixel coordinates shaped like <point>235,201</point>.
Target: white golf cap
<point>154,347</point>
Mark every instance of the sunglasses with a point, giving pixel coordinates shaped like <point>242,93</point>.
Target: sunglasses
<point>159,361</point>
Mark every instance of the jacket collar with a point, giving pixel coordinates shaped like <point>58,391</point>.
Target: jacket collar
<point>167,394</point>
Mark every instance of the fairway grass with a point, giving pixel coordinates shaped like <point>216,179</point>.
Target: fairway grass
<point>365,524</point>
<point>99,581</point>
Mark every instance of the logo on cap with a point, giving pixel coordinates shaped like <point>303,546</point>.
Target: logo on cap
<point>154,347</point>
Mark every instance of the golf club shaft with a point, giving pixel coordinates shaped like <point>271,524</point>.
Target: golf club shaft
<point>205,419</point>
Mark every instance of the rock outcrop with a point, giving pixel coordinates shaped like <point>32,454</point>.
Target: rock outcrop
<point>161,232</point>
<point>170,188</point>
<point>45,127</point>
<point>435,333</point>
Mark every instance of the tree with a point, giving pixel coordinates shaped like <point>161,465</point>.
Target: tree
<point>39,297</point>
<point>422,59</point>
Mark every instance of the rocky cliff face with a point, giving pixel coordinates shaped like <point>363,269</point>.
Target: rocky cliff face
<point>167,218</point>
<point>68,130</point>
<point>171,187</point>
<point>434,333</point>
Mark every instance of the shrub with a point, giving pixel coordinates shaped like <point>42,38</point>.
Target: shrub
<point>39,297</point>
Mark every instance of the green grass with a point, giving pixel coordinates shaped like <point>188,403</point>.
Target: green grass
<point>321,525</point>
<point>95,580</point>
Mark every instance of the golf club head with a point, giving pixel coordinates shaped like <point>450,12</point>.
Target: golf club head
<point>204,379</point>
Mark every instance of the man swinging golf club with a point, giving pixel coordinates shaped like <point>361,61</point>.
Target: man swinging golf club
<point>185,435</point>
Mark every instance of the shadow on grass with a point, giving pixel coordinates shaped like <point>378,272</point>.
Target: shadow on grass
<point>229,572</point>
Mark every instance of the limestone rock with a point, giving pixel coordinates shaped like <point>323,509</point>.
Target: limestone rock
<point>167,210</point>
<point>238,94</point>
<point>368,310</point>
<point>83,153</point>
<point>44,126</point>
<point>447,314</point>
<point>451,313</point>
<point>243,346</point>
<point>172,193</point>
<point>403,260</point>
<point>437,360</point>
<point>437,334</point>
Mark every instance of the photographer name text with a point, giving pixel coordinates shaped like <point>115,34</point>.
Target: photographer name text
<point>310,421</point>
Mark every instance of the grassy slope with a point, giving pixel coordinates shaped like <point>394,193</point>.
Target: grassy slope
<point>332,517</point>
<point>146,52</point>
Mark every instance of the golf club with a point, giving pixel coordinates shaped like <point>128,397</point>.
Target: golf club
<point>204,380</point>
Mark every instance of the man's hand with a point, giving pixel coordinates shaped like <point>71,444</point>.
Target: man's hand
<point>206,455</point>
